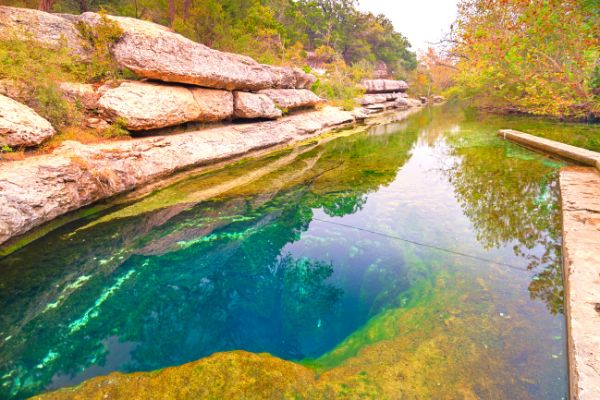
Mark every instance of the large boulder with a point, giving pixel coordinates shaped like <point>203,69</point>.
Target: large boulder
<point>49,29</point>
<point>145,105</point>
<point>20,126</point>
<point>304,80</point>
<point>254,105</point>
<point>384,86</point>
<point>153,51</point>
<point>214,105</point>
<point>84,93</point>
<point>292,98</point>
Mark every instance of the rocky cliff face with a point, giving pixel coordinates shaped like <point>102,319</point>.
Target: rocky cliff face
<point>384,86</point>
<point>189,82</point>
<point>177,65</point>
<point>38,189</point>
<point>20,125</point>
<point>49,29</point>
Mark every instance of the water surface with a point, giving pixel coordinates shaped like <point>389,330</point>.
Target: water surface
<point>419,257</point>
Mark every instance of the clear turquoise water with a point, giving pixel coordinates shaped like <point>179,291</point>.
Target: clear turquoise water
<point>293,253</point>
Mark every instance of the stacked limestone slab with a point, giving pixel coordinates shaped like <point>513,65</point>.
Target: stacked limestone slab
<point>384,86</point>
<point>385,94</point>
<point>184,81</point>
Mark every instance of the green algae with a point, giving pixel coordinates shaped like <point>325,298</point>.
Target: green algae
<point>254,267</point>
<point>410,352</point>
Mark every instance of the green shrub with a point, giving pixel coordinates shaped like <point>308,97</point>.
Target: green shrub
<point>340,86</point>
<point>33,70</point>
<point>100,38</point>
<point>117,129</point>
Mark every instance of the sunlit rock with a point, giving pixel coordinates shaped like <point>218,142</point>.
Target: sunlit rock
<point>51,30</point>
<point>254,105</point>
<point>384,86</point>
<point>84,93</point>
<point>154,51</point>
<point>20,125</point>
<point>293,98</point>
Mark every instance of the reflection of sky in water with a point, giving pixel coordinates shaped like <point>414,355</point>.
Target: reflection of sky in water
<point>278,265</point>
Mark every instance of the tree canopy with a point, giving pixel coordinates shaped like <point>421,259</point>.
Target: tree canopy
<point>272,31</point>
<point>540,57</point>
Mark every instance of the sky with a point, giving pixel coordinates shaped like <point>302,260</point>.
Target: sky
<point>421,21</point>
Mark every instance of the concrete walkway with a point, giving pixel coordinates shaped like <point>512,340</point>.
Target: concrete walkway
<point>580,201</point>
<point>572,153</point>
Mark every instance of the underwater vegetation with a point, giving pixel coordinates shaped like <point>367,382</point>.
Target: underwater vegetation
<point>419,258</point>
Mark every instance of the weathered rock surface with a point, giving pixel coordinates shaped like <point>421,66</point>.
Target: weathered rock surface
<point>291,78</point>
<point>254,105</point>
<point>153,51</point>
<point>20,125</point>
<point>414,102</point>
<point>293,98</point>
<point>149,106</point>
<point>304,80</point>
<point>84,93</point>
<point>10,88</point>
<point>49,29</point>
<point>368,99</point>
<point>384,85</point>
<point>580,198</point>
<point>38,189</point>
<point>214,105</point>
<point>145,105</point>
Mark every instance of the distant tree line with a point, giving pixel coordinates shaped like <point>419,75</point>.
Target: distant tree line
<point>272,31</point>
<point>532,56</point>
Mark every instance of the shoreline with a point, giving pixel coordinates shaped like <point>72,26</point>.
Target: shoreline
<point>85,176</point>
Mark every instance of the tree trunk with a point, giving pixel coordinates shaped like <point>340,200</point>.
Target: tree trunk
<point>187,4</point>
<point>46,5</point>
<point>172,12</point>
<point>83,6</point>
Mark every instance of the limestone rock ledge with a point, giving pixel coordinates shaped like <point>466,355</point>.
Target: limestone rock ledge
<point>254,105</point>
<point>20,125</point>
<point>156,52</point>
<point>384,86</point>
<point>49,29</point>
<point>146,105</point>
<point>293,98</point>
<point>38,189</point>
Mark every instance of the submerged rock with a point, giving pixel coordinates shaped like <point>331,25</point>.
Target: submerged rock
<point>49,29</point>
<point>254,105</point>
<point>384,85</point>
<point>293,98</point>
<point>21,126</point>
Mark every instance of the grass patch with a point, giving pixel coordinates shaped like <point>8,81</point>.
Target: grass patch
<point>33,72</point>
<point>340,87</point>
